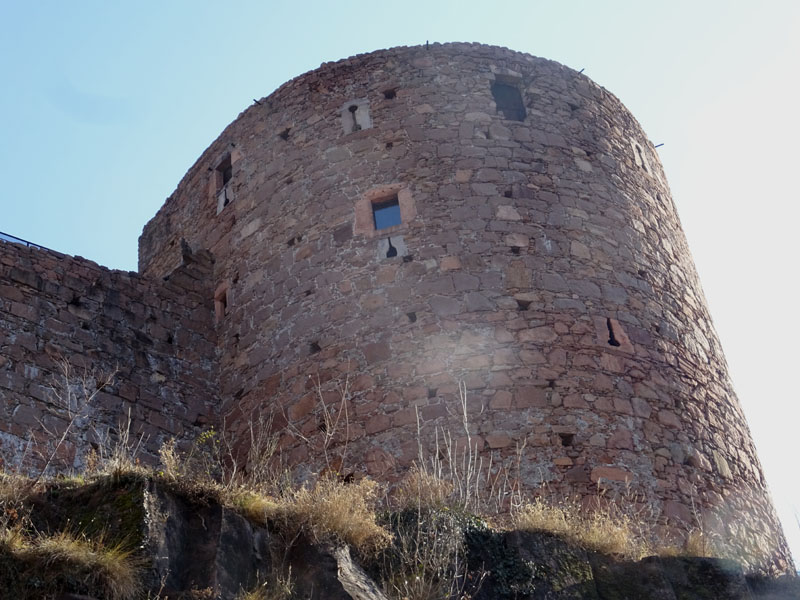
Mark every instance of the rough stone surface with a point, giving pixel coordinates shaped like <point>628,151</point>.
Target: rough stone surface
<point>158,335</point>
<point>589,295</point>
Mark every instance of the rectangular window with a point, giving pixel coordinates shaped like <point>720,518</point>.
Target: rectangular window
<point>386,213</point>
<point>509,101</point>
<point>223,175</point>
<point>225,170</point>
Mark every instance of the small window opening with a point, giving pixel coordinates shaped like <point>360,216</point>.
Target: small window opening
<point>314,347</point>
<point>84,325</point>
<point>432,392</point>
<point>392,251</point>
<point>225,170</point>
<point>355,115</point>
<point>386,213</point>
<point>523,304</point>
<point>221,301</point>
<point>224,174</point>
<point>551,383</point>
<point>566,439</point>
<point>612,338</point>
<point>353,108</point>
<point>390,94</point>
<point>284,135</point>
<point>412,317</point>
<point>170,339</point>
<point>508,194</point>
<point>515,250</point>
<point>509,101</point>
<point>408,258</point>
<point>389,145</point>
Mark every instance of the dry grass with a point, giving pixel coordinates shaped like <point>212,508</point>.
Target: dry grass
<point>423,490</point>
<point>110,568</point>
<point>276,588</point>
<point>258,508</point>
<point>603,530</point>
<point>109,571</point>
<point>332,509</point>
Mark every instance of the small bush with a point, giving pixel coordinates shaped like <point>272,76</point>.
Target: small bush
<point>428,556</point>
<point>423,490</point>
<point>332,509</point>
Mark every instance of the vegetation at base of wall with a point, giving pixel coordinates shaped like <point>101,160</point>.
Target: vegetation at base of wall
<point>605,530</point>
<point>83,533</point>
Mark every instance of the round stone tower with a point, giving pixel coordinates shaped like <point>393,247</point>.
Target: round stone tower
<point>410,220</point>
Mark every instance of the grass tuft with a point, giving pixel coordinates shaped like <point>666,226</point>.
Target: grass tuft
<point>602,530</point>
<point>334,510</point>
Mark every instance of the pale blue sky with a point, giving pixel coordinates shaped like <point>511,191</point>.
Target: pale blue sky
<point>106,105</point>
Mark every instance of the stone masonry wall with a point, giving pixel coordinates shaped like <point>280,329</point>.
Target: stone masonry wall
<point>157,335</point>
<point>540,261</point>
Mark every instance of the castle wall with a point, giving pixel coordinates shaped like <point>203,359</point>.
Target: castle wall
<point>157,336</point>
<point>539,261</point>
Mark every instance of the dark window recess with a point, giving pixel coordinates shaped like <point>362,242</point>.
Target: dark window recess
<point>284,135</point>
<point>225,169</point>
<point>508,194</point>
<point>386,213</point>
<point>392,251</point>
<point>523,304</point>
<point>408,258</point>
<point>390,94</point>
<point>356,126</point>
<point>432,392</point>
<point>412,317</point>
<point>509,101</point>
<point>566,438</point>
<point>612,338</point>
<point>515,250</point>
<point>389,145</point>
<point>314,347</point>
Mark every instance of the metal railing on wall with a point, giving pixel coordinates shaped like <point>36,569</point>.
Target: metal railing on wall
<point>5,237</point>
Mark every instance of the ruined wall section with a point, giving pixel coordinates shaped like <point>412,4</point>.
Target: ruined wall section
<point>158,335</point>
<point>540,261</point>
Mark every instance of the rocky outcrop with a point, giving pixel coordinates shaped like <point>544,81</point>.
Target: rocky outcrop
<point>192,547</point>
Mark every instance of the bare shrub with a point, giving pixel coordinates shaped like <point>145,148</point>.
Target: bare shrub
<point>428,557</point>
<point>335,427</point>
<point>475,484</point>
<point>70,397</point>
